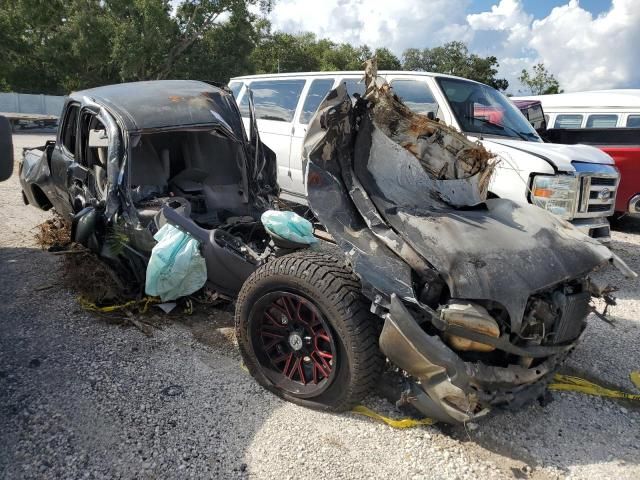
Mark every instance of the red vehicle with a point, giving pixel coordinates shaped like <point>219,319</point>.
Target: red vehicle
<point>623,144</point>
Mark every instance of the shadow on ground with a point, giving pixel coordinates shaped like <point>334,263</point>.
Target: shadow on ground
<point>78,395</point>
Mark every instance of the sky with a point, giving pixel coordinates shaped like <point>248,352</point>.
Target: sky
<point>586,44</point>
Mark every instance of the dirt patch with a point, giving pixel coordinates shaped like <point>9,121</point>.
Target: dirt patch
<point>93,279</point>
<point>53,234</point>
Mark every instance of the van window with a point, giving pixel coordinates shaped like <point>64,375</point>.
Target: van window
<point>416,95</point>
<point>568,121</point>
<point>317,91</point>
<point>235,87</point>
<point>273,99</point>
<point>70,129</point>
<point>355,87</point>
<point>602,121</point>
<point>633,121</point>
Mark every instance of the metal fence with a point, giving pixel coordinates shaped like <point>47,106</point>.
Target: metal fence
<point>31,104</point>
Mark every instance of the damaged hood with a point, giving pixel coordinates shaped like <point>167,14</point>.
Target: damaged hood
<point>404,196</point>
<point>558,156</point>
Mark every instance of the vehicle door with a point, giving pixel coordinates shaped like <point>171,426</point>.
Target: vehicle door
<point>315,92</point>
<point>275,104</point>
<point>62,158</point>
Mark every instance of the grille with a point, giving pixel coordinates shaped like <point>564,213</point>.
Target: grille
<point>574,311</point>
<point>607,182</point>
<point>598,186</point>
<point>598,208</point>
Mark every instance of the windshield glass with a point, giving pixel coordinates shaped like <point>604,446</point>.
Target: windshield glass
<point>480,109</point>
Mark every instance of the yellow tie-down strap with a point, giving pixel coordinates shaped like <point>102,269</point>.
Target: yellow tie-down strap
<point>561,382</point>
<point>577,384</point>
<point>395,423</point>
<point>142,304</point>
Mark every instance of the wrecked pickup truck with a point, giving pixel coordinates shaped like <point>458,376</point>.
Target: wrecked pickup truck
<point>475,302</point>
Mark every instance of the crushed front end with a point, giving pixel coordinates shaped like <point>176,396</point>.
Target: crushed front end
<point>481,299</point>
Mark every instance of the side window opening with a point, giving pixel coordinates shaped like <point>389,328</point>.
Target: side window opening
<point>602,121</point>
<point>317,92</point>
<point>235,88</point>
<point>417,96</point>
<point>273,99</point>
<point>633,121</point>
<point>93,141</point>
<point>70,129</point>
<point>568,121</point>
<point>93,151</point>
<point>355,87</point>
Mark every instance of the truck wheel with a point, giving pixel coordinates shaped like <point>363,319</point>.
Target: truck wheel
<point>305,332</point>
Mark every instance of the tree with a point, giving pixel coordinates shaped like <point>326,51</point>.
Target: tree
<point>540,81</point>
<point>285,52</point>
<point>453,58</point>
<point>387,60</point>
<point>196,17</point>
<point>55,46</point>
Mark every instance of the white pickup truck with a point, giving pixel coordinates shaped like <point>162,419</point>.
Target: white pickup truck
<point>576,182</point>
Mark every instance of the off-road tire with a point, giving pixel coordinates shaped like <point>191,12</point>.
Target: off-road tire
<point>332,288</point>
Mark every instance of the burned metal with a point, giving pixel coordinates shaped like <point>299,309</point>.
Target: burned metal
<point>406,199</point>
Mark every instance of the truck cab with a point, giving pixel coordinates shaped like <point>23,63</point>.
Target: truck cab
<point>576,182</point>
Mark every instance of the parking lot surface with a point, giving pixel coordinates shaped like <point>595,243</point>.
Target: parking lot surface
<point>83,398</point>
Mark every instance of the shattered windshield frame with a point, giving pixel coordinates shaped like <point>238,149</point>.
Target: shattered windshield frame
<point>480,109</point>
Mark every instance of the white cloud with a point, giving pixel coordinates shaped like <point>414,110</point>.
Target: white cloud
<point>590,53</point>
<point>584,52</point>
<point>397,25</point>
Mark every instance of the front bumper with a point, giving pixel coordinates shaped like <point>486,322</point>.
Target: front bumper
<point>634,206</point>
<point>445,387</point>
<point>597,228</point>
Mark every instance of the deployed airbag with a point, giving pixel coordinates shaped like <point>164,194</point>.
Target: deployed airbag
<point>176,267</point>
<point>289,225</point>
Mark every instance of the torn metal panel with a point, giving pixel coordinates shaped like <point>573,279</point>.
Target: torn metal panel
<point>443,153</point>
<point>379,269</point>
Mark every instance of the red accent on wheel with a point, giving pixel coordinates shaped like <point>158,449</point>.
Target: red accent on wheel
<point>296,343</point>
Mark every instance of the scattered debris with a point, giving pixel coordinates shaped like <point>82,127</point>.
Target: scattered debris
<point>166,307</point>
<point>53,234</point>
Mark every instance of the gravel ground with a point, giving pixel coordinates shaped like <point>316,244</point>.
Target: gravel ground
<point>82,398</point>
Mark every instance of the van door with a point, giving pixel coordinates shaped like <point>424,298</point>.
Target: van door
<point>275,106</point>
<point>318,88</point>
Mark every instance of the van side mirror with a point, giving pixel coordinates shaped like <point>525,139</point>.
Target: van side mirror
<point>6,149</point>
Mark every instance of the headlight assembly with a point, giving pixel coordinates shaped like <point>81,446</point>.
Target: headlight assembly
<point>556,194</point>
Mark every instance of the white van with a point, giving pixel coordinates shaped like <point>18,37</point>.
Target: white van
<point>596,109</point>
<point>569,180</point>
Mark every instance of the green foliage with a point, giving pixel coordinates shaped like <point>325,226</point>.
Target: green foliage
<point>387,60</point>
<point>55,46</point>
<point>454,58</point>
<point>540,81</point>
